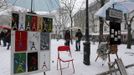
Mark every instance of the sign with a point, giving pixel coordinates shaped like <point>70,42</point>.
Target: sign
<point>115,33</point>
<point>30,43</point>
<point>112,13</point>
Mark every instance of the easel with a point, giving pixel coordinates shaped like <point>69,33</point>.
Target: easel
<point>118,62</point>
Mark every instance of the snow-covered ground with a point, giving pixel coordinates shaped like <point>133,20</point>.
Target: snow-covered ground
<point>80,68</point>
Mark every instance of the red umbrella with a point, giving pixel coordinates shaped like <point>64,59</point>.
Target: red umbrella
<point>5,27</point>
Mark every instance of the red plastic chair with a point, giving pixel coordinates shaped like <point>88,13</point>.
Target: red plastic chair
<point>64,55</point>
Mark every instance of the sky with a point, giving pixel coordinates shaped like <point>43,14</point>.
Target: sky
<point>80,4</point>
<point>46,5</point>
<point>38,5</point>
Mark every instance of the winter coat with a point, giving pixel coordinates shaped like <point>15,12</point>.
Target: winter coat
<point>8,36</point>
<point>78,35</point>
<point>67,35</point>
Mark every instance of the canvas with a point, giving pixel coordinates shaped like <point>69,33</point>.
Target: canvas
<point>32,61</point>
<point>33,41</point>
<point>19,63</point>
<point>20,41</point>
<point>15,21</point>
<point>45,41</point>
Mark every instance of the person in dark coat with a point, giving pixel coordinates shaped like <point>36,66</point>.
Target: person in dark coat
<point>0,38</point>
<point>78,36</point>
<point>8,38</point>
<point>3,34</point>
<point>67,38</point>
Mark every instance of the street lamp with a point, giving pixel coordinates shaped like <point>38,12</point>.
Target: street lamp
<point>87,42</point>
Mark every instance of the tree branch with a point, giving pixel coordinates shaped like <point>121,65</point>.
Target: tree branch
<point>125,17</point>
<point>106,22</point>
<point>131,20</point>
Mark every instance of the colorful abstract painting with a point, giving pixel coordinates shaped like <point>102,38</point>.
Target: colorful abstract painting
<point>19,62</point>
<point>47,24</point>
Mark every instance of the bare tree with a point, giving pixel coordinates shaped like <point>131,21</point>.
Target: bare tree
<point>3,5</point>
<point>92,20</point>
<point>102,2</point>
<point>129,36</point>
<point>60,21</point>
<point>69,6</point>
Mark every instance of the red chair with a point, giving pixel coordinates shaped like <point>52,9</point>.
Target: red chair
<point>64,55</point>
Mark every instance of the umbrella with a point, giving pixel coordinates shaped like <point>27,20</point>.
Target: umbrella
<point>36,5</point>
<point>5,27</point>
<point>124,6</point>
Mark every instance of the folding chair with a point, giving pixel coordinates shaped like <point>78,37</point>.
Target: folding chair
<point>64,55</point>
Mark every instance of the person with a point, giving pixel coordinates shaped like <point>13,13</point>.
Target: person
<point>3,34</point>
<point>8,38</point>
<point>67,38</point>
<point>0,38</point>
<point>78,36</point>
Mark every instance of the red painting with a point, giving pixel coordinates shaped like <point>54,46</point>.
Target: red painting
<point>34,23</point>
<point>20,41</point>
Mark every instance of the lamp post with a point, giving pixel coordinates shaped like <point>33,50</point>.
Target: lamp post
<point>87,42</point>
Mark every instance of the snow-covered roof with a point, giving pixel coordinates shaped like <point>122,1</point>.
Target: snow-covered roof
<point>10,8</point>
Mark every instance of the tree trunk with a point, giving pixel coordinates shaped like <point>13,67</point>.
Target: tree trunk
<point>71,27</point>
<point>101,29</point>
<point>101,24</point>
<point>129,37</point>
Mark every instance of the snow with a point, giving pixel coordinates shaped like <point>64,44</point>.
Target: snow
<point>80,69</point>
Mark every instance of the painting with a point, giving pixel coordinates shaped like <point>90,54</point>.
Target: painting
<point>21,22</point>
<point>28,22</point>
<point>32,61</point>
<point>47,24</point>
<point>34,23</point>
<point>33,41</point>
<point>20,41</point>
<point>44,63</point>
<point>15,21</point>
<point>45,41</point>
<point>19,63</point>
<point>39,23</point>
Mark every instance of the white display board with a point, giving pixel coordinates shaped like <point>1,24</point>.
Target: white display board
<point>30,42</point>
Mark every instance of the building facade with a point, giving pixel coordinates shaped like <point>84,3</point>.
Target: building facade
<point>80,16</point>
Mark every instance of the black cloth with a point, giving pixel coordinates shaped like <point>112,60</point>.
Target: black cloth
<point>8,36</point>
<point>67,37</point>
<point>79,35</point>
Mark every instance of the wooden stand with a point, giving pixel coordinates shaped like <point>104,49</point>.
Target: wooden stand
<point>118,62</point>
